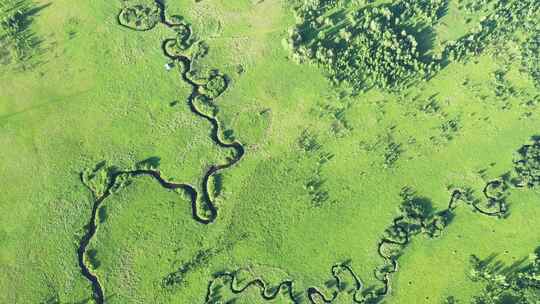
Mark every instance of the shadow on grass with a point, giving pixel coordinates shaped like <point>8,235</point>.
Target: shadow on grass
<point>20,46</point>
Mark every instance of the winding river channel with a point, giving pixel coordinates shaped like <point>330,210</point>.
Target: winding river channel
<point>196,197</point>
<point>210,212</point>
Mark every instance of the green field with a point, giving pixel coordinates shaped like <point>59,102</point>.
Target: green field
<point>270,151</point>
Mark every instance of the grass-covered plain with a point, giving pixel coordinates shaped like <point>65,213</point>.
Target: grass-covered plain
<point>319,182</point>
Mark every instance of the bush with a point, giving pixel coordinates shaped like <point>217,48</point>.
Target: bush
<point>200,75</point>
<point>205,105</point>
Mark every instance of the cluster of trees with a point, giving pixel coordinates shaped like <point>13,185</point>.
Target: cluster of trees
<point>216,85</point>
<point>104,178</point>
<point>17,42</point>
<point>308,142</point>
<point>97,179</point>
<point>386,146</point>
<point>140,17</point>
<point>473,6</point>
<point>415,217</point>
<point>392,152</point>
<point>431,106</point>
<point>315,189</point>
<point>176,278</point>
<point>503,88</point>
<point>426,11</point>
<point>200,75</point>
<point>197,50</point>
<point>378,45</point>
<point>511,285</point>
<point>211,83</point>
<point>530,56</point>
<point>183,36</point>
<point>371,46</point>
<point>527,166</point>
<point>450,128</point>
<point>418,216</point>
<point>183,40</point>
<point>507,17</point>
<point>206,105</point>
<point>185,43</point>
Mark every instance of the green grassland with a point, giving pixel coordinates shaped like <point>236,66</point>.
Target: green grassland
<point>317,186</point>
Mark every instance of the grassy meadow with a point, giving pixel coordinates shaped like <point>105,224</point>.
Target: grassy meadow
<point>318,185</point>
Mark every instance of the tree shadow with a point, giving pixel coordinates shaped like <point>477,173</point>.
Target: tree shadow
<point>93,259</point>
<point>496,267</point>
<point>102,214</point>
<point>443,11</point>
<point>20,46</point>
<point>535,138</point>
<point>217,183</point>
<point>28,10</point>
<point>425,37</point>
<point>149,163</point>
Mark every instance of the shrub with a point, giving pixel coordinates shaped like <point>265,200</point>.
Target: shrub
<point>216,85</point>
<point>308,142</point>
<point>205,105</point>
<point>139,17</point>
<point>200,75</point>
<point>391,154</point>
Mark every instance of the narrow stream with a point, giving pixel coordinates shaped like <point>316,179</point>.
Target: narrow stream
<point>194,195</point>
